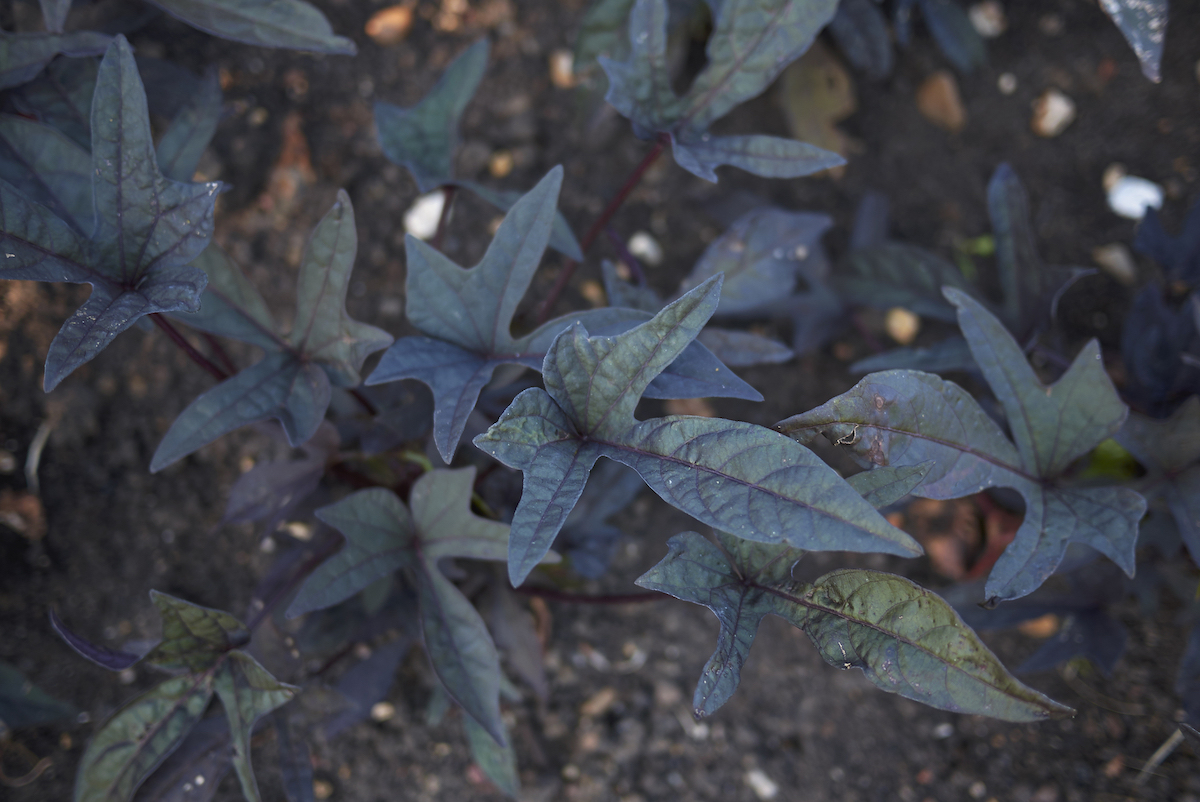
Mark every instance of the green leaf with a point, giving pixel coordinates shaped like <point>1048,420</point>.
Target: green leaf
<point>49,168</point>
<point>231,306</point>
<point>604,30</point>
<point>292,24</point>
<point>22,55</point>
<point>898,418</point>
<point>382,537</point>
<point>423,138</point>
<point>139,737</point>
<point>147,228</point>
<point>562,239</point>
<point>247,692</point>
<point>733,476</point>
<point>194,638</point>
<point>184,141</point>
<point>894,274</point>
<point>883,486</point>
<point>751,43</point>
<point>910,642</point>
<point>23,704</point>
<point>498,762</point>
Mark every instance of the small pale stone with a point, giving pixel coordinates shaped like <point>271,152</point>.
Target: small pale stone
<point>421,219</point>
<point>762,785</point>
<point>1131,196</point>
<point>501,163</point>
<point>943,731</point>
<point>562,68</point>
<point>1040,627</point>
<point>1112,174</point>
<point>939,102</point>
<point>646,247</point>
<point>599,702</point>
<point>382,711</point>
<point>322,789</point>
<point>1006,83</point>
<point>1052,113</point>
<point>988,19</point>
<point>390,25</point>
<point>902,325</point>
<point>1116,260</point>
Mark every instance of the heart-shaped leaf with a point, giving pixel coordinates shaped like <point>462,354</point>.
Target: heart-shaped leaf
<point>735,476</point>
<point>292,383</point>
<point>194,638</point>
<point>382,537</point>
<point>907,418</point>
<point>904,638</point>
<point>147,228</point>
<point>22,55</point>
<point>752,41</point>
<point>292,24</point>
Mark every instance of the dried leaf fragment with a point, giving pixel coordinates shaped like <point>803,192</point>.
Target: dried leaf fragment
<point>939,102</point>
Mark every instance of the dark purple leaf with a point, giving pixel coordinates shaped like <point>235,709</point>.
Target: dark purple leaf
<point>295,760</point>
<point>367,683</point>
<point>1153,341</point>
<point>272,490</point>
<point>247,692</point>
<point>292,24</point>
<point>54,13</point>
<point>1179,256</point>
<point>893,274</point>
<point>22,55</point>
<point>23,704</point>
<point>1092,634</point>
<point>586,538</point>
<point>954,33</point>
<point>102,656</point>
<point>183,143</point>
<point>205,753</point>
<point>48,168</point>
<point>511,625</point>
<point>861,31</point>
<point>61,97</point>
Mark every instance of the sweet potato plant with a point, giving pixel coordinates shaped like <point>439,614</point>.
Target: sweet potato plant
<point>87,196</point>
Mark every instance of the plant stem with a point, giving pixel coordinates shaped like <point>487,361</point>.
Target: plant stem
<point>579,598</point>
<point>444,218</point>
<point>568,270</point>
<point>363,401</point>
<point>197,357</point>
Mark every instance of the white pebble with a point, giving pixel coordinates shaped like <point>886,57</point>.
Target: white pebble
<point>762,785</point>
<point>421,219</point>
<point>646,248</point>
<point>1006,83</point>
<point>1131,196</point>
<point>988,19</point>
<point>1052,113</point>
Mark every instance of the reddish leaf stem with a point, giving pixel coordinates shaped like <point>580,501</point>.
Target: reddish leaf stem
<point>181,341</point>
<point>568,270</point>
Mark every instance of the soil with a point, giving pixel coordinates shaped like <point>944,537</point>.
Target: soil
<point>616,723</point>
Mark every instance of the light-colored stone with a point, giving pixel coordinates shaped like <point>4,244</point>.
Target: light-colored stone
<point>939,102</point>
<point>988,19</point>
<point>389,26</point>
<point>1052,113</point>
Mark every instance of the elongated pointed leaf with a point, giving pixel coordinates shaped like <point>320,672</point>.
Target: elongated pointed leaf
<point>139,737</point>
<point>424,137</point>
<point>194,637</point>
<point>112,659</point>
<point>906,418</point>
<point>743,349</point>
<point>604,30</point>
<point>469,312</point>
<point>48,168</point>
<point>734,476</point>
<point>323,331</point>
<point>247,692</point>
<point>910,642</point>
<point>295,760</point>
<point>22,55</point>
<point>759,255</point>
<point>193,772</point>
<point>1017,258</point>
<point>23,704</point>
<point>955,35</point>
<point>61,97</point>
<point>861,31</point>
<point>1143,23</point>
<point>894,274</point>
<point>147,228</point>
<point>54,13</point>
<point>231,306</point>
<point>951,354</point>
<point>883,486</point>
<point>292,24</point>
<point>184,141</point>
<point>499,762</point>
<point>562,239</point>
<point>751,43</point>
<point>282,387</point>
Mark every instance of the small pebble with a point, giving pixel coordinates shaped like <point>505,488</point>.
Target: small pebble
<point>988,19</point>
<point>1006,83</point>
<point>943,730</point>
<point>501,163</point>
<point>1051,25</point>
<point>421,219</point>
<point>562,68</point>
<point>902,325</point>
<point>382,711</point>
<point>322,789</point>
<point>939,102</point>
<point>1052,113</point>
<point>1116,260</point>
<point>762,785</point>
<point>646,247</point>
<point>390,25</point>
<point>1131,196</point>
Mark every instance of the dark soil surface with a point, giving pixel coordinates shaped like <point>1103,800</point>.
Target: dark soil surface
<point>617,722</point>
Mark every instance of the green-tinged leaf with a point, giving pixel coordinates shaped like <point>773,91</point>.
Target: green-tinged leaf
<point>562,239</point>
<point>604,31</point>
<point>885,485</point>
<point>231,306</point>
<point>147,228</point>
<point>323,331</point>
<point>498,762</point>
<point>49,168</point>
<point>292,24</point>
<point>424,137</point>
<point>23,704</point>
<point>282,387</point>
<point>139,737</point>
<point>467,313</point>
<point>1017,258</point>
<point>894,274</point>
<point>22,55</point>
<point>760,256</point>
<point>899,418</point>
<point>910,642</point>
<point>743,349</point>
<point>751,43</point>
<point>382,537</point>
<point>1143,23</point>
<point>184,141</point>
<point>696,570</point>
<point>734,476</point>
<point>247,692</point>
<point>61,97</point>
<point>194,638</point>
<point>951,354</point>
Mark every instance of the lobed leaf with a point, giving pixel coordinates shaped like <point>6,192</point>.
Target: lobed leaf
<point>292,24</point>
<point>751,43</point>
<point>23,55</point>
<point>231,306</point>
<point>894,274</point>
<point>1143,23</point>
<point>49,168</point>
<point>194,638</point>
<point>139,737</point>
<point>183,143</point>
<point>424,137</point>
<point>247,692</point>
<point>734,476</point>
